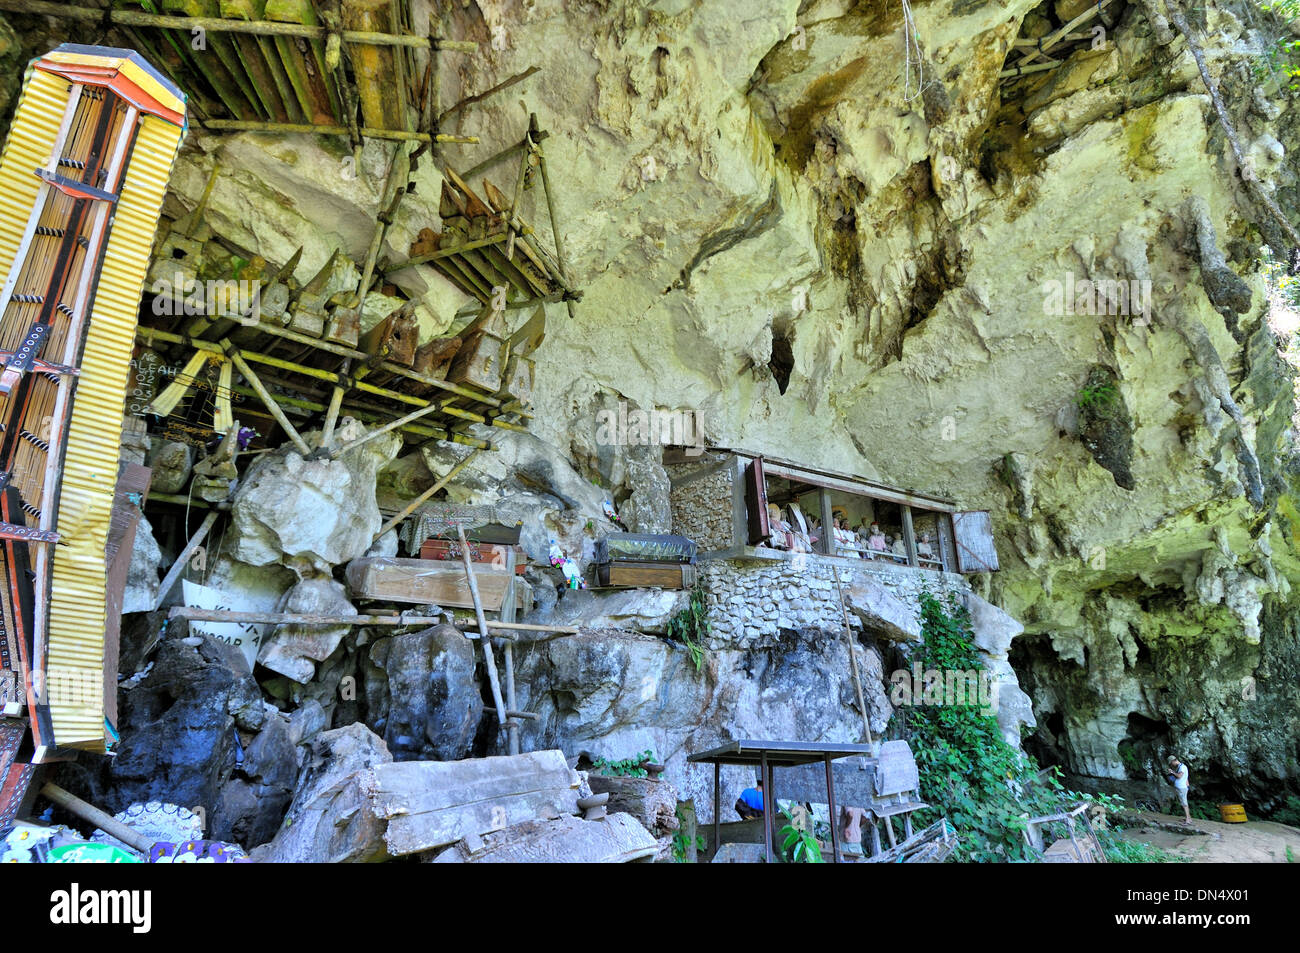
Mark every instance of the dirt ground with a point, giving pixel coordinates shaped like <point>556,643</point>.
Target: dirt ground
<point>1213,842</point>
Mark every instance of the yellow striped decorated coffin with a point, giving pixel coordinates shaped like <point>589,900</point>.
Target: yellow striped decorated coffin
<point>82,179</point>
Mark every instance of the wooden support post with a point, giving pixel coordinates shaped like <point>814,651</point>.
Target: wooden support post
<point>507,614</point>
<point>332,414</point>
<point>178,566</point>
<point>550,208</point>
<point>265,396</point>
<point>853,662</point>
<point>909,536</point>
<point>828,523</point>
<point>380,431</point>
<point>424,497</point>
<point>327,129</point>
<point>482,628</point>
<point>88,812</point>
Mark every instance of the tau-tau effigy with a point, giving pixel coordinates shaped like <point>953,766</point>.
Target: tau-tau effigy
<point>82,177</point>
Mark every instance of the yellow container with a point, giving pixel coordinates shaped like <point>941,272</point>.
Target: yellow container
<point>1232,813</point>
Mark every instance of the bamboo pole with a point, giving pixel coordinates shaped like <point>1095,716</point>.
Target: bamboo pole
<point>332,414</point>
<point>424,497</point>
<point>219,25</point>
<point>88,812</point>
<point>555,227</point>
<point>183,559</point>
<point>507,614</point>
<point>196,614</point>
<point>149,335</point>
<point>853,659</point>
<point>265,396</point>
<point>380,431</point>
<point>479,97</point>
<point>502,721</point>
<point>325,129</point>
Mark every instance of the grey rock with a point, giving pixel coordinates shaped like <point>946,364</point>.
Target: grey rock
<point>881,611</point>
<point>435,705</point>
<point>646,610</point>
<point>142,575</point>
<point>293,649</point>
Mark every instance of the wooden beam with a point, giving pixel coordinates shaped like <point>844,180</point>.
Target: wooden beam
<point>424,497</point>
<point>479,97</point>
<point>88,812</point>
<point>178,566</point>
<point>483,629</point>
<point>828,523</point>
<point>909,536</point>
<point>266,397</point>
<point>219,25</point>
<point>325,129</point>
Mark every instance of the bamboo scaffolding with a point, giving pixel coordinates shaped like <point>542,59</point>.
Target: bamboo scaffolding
<point>423,497</point>
<point>149,335</point>
<point>290,430</point>
<point>1052,39</point>
<point>479,97</point>
<point>178,566</point>
<point>220,25</point>
<point>325,129</point>
<point>195,614</point>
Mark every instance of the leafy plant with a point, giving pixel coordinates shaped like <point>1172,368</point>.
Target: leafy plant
<point>799,845</point>
<point>984,786</point>
<point>691,626</point>
<point>1121,851</point>
<point>1281,58</point>
<point>1098,396</point>
<point>681,843</point>
<point>627,768</point>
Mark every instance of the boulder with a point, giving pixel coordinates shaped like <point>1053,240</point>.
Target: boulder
<point>252,803</point>
<point>142,575</point>
<point>292,650</point>
<point>645,610</point>
<point>436,704</point>
<point>881,611</point>
<point>329,820</point>
<point>178,726</point>
<point>993,628</point>
<point>310,515</point>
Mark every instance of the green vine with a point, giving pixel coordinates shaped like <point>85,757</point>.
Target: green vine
<point>984,786</point>
<point>691,627</point>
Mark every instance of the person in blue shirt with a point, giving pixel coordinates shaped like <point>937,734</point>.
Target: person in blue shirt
<point>750,804</point>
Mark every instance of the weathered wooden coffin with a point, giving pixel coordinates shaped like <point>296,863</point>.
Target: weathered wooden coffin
<point>517,383</point>
<point>643,575</point>
<point>425,582</point>
<point>430,804</point>
<point>618,839</point>
<point>495,554</point>
<point>479,361</point>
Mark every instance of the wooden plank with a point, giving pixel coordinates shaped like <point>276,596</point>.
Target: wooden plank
<point>132,488</point>
<point>973,534</point>
<point>430,804</point>
<point>424,582</point>
<point>646,575</point>
<point>756,501</point>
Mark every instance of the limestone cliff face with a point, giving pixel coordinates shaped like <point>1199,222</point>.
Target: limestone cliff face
<point>872,260</point>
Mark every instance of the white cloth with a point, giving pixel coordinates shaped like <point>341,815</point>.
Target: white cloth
<point>1181,778</point>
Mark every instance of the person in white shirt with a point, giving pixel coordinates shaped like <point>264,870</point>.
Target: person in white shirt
<point>1179,778</point>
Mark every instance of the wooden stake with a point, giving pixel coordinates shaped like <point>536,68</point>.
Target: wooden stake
<point>183,559</point>
<point>853,660</point>
<point>88,812</point>
<point>423,497</point>
<point>325,129</point>
<point>482,628</point>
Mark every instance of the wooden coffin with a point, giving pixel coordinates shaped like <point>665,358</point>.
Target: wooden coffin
<point>445,549</point>
<point>344,327</point>
<point>479,362</point>
<point>518,380</point>
<point>425,582</point>
<point>645,575</point>
<point>398,333</point>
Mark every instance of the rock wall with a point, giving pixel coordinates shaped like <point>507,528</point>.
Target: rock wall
<point>701,506</point>
<point>756,599</point>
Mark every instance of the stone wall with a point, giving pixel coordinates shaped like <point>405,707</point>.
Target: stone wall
<point>701,508</point>
<point>748,599</point>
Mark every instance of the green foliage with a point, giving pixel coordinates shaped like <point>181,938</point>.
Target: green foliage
<point>627,768</point>
<point>985,787</point>
<point>691,626</point>
<point>1121,851</point>
<point>1097,397</point>
<point>1288,814</point>
<point>799,845</point>
<point>681,842</point>
<point>1290,857</point>
<point>1281,58</point>
<point>1203,810</point>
